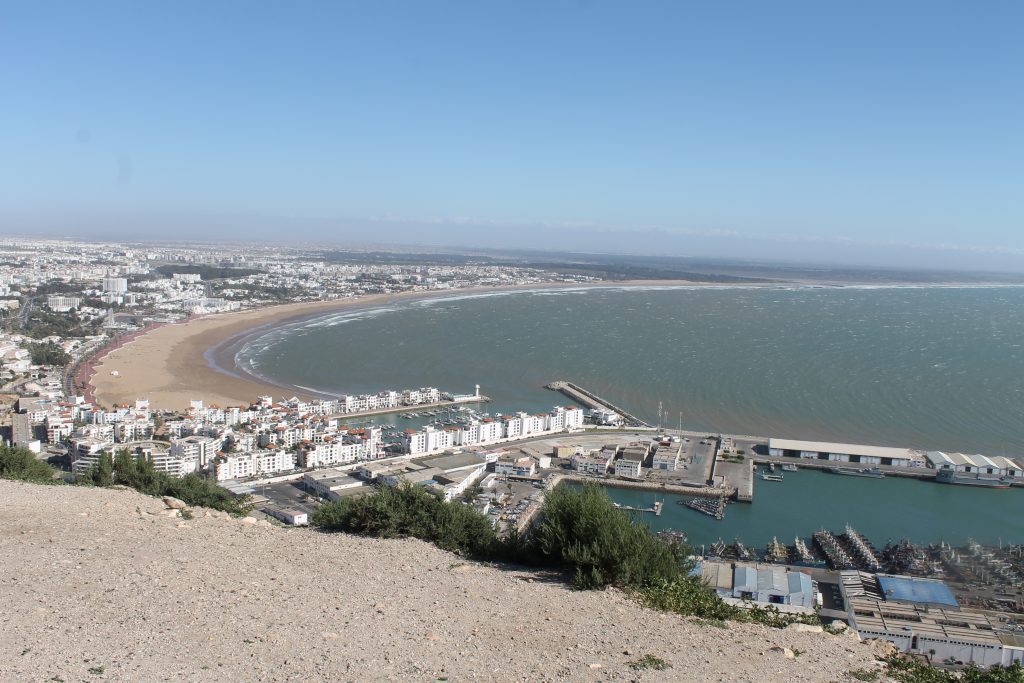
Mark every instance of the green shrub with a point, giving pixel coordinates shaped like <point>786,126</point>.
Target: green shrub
<point>689,596</point>
<point>139,474</point>
<point>915,671</point>
<point>649,662</point>
<point>412,511</point>
<point>582,531</point>
<point>20,463</point>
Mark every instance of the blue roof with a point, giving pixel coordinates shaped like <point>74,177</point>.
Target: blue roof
<point>924,591</point>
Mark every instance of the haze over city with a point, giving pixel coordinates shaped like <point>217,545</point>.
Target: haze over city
<point>875,134</point>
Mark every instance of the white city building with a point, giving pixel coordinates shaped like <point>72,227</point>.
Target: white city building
<point>253,464</point>
<point>197,450</point>
<point>115,285</point>
<point>63,304</point>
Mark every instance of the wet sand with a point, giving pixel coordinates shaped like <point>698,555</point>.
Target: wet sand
<point>174,364</point>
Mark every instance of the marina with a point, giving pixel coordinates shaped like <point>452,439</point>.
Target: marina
<point>886,510</point>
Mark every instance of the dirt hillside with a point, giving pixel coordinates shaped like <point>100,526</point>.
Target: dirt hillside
<point>100,584</point>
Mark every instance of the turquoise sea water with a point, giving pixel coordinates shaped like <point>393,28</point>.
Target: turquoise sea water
<point>881,509</point>
<point>928,368</point>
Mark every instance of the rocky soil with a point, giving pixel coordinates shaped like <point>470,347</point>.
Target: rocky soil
<point>99,584</point>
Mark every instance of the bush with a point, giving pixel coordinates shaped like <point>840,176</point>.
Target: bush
<point>914,671</point>
<point>690,597</point>
<point>582,531</point>
<point>412,511</point>
<point>21,464</point>
<point>139,474</point>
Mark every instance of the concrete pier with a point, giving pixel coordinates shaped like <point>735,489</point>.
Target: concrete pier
<point>807,463</point>
<point>654,487</point>
<point>591,400</point>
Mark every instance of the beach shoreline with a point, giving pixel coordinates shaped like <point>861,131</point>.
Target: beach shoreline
<point>171,365</point>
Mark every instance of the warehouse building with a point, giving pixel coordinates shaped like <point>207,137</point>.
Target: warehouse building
<point>922,617</point>
<point>994,465</point>
<point>743,585</point>
<point>845,452</point>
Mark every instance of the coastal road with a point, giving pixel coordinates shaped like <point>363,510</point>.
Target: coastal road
<point>26,310</point>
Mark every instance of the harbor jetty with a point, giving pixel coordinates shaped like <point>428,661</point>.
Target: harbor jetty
<point>656,508</point>
<point>593,401</point>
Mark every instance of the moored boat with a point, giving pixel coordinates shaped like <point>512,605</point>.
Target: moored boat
<point>872,472</point>
<point>967,479</point>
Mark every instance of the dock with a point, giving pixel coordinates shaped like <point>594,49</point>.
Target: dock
<point>660,487</point>
<point>591,400</point>
<point>656,508</point>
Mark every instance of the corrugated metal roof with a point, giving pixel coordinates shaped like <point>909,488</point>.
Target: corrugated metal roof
<point>923,591</point>
<point>938,459</point>
<point>845,448</point>
<point>772,580</point>
<point>799,582</point>
<point>745,579</point>
<point>1004,462</point>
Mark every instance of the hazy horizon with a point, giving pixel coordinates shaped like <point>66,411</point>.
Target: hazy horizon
<point>871,135</point>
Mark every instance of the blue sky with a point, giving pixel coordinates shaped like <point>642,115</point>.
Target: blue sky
<point>882,133</point>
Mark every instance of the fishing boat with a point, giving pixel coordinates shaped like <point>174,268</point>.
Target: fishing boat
<point>742,552</point>
<point>771,477</point>
<point>776,552</point>
<point>803,553</point>
<point>872,472</point>
<point>789,467</point>
<point>672,535</point>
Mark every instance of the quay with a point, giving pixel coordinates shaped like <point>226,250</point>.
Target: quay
<point>806,463</point>
<point>660,487</point>
<point>656,508</point>
<point>591,400</point>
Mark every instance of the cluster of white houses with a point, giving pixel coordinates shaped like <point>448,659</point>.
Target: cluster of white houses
<point>627,461</point>
<point>265,438</point>
<point>491,430</point>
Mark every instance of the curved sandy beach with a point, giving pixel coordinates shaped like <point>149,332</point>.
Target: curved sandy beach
<point>169,365</point>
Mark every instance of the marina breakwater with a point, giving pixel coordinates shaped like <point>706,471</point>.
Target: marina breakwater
<point>593,401</point>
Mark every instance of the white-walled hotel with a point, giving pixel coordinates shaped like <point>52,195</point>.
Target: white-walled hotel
<point>491,430</point>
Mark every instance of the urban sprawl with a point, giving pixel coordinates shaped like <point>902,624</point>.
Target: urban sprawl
<point>62,303</point>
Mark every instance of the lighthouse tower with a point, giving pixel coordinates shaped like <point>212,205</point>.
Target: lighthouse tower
<point>477,391</point>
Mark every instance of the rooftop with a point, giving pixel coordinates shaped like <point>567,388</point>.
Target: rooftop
<point>846,448</point>
<point>915,590</point>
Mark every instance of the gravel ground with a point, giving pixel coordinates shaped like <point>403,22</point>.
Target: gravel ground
<point>106,584</point>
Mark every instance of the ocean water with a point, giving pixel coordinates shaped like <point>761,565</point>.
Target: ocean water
<point>938,368</point>
<point>883,510</point>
